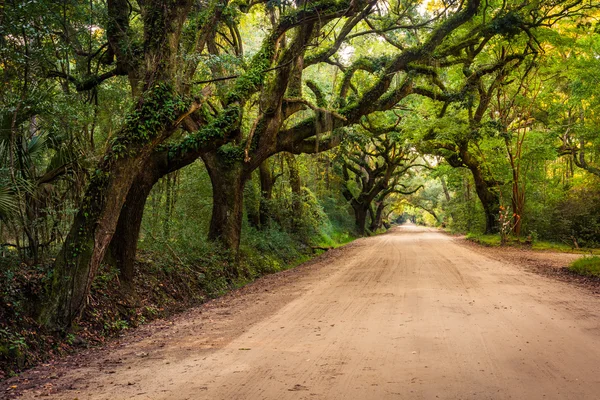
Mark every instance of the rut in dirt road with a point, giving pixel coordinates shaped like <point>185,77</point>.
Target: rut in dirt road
<point>407,315</point>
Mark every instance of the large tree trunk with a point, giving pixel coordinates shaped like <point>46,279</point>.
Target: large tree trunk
<point>491,205</point>
<point>518,203</point>
<point>85,246</point>
<point>148,126</point>
<point>228,179</point>
<point>123,247</point>
<point>377,221</point>
<point>448,198</point>
<point>94,225</point>
<point>372,216</point>
<point>266,193</point>
<point>360,217</point>
<point>490,200</point>
<point>296,187</point>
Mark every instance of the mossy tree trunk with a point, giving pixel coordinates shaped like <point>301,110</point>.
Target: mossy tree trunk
<point>490,200</point>
<point>296,188</point>
<point>377,220</point>
<point>267,182</point>
<point>85,246</point>
<point>361,204</point>
<point>228,180</point>
<point>360,218</point>
<point>484,186</point>
<point>123,246</point>
<point>155,117</point>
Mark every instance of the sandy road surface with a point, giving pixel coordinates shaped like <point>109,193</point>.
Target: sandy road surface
<point>407,315</point>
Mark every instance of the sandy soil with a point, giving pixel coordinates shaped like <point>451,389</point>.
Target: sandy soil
<point>413,314</point>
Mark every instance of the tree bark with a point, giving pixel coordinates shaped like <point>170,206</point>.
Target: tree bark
<point>490,202</point>
<point>85,246</point>
<point>228,179</point>
<point>377,221</point>
<point>447,196</point>
<point>518,204</point>
<point>296,187</point>
<point>123,247</point>
<point>266,193</point>
<point>360,218</point>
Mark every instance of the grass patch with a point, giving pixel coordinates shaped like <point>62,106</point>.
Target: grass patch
<point>484,240</point>
<point>495,241</point>
<point>587,266</point>
<point>561,247</point>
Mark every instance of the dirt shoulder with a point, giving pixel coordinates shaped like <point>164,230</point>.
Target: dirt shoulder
<point>547,263</point>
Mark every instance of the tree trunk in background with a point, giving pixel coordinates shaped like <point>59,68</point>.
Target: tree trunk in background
<point>361,210</point>
<point>491,207</point>
<point>253,213</point>
<point>296,187</point>
<point>228,179</point>
<point>377,222</point>
<point>517,202</point>
<point>169,185</point>
<point>372,216</point>
<point>266,193</point>
<point>360,217</point>
<point>490,200</point>
<point>447,196</point>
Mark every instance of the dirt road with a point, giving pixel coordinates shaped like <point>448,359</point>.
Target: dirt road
<point>412,314</point>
